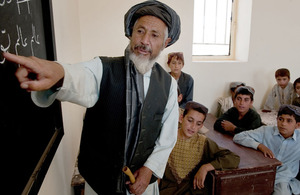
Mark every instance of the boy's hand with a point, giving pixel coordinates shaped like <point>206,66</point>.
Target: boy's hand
<point>266,151</point>
<point>228,126</point>
<point>47,73</point>
<point>201,175</point>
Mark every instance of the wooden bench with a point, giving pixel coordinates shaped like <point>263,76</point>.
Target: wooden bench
<point>255,174</point>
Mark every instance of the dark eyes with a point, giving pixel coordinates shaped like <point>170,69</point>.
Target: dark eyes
<point>288,120</point>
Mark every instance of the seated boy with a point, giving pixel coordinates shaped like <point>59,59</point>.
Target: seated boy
<point>193,156</point>
<point>240,117</point>
<point>281,142</point>
<point>224,103</point>
<point>296,99</point>
<point>179,99</point>
<point>281,93</point>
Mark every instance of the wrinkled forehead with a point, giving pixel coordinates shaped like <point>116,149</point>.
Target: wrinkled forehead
<point>151,23</point>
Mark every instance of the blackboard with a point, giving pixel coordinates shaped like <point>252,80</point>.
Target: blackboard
<point>30,134</point>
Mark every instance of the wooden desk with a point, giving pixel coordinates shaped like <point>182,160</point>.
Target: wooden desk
<point>255,174</point>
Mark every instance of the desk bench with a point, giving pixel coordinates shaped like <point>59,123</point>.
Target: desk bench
<point>255,174</point>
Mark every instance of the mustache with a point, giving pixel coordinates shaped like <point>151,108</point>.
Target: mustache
<point>143,47</point>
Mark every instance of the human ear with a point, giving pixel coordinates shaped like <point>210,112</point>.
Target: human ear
<point>167,41</point>
<point>298,125</point>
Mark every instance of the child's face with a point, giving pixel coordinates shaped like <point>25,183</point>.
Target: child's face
<point>297,88</point>
<point>243,103</point>
<point>282,81</point>
<point>191,123</point>
<point>286,125</point>
<point>176,65</point>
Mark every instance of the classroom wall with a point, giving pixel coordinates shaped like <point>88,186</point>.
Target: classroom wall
<point>88,28</point>
<point>274,43</point>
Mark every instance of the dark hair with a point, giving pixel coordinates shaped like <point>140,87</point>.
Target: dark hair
<point>177,55</point>
<point>282,72</point>
<point>295,82</point>
<point>244,90</point>
<point>191,105</point>
<point>289,110</point>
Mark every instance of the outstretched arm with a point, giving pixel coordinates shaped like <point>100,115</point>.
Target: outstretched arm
<point>46,73</point>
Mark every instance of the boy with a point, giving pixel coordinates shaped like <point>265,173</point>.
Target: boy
<point>240,117</point>
<point>281,93</point>
<point>193,156</point>
<point>281,142</point>
<point>296,99</point>
<point>184,80</point>
<point>224,103</point>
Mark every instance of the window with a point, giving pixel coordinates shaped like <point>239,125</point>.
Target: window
<point>214,29</point>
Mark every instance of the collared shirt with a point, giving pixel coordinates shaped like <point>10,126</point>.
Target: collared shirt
<point>285,150</point>
<point>82,86</point>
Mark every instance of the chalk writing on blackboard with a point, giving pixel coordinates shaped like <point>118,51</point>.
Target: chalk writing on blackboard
<point>19,34</point>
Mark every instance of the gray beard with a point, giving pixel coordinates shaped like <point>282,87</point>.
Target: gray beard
<point>141,64</point>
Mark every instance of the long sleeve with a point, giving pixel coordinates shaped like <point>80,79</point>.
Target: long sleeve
<point>272,99</point>
<point>166,141</point>
<point>189,93</point>
<point>81,85</point>
<point>250,138</point>
<point>225,116</point>
<point>186,85</point>
<point>220,158</point>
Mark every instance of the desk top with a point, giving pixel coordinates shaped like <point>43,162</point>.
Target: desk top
<point>249,157</point>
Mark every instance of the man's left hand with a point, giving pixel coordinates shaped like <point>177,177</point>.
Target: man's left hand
<point>142,180</point>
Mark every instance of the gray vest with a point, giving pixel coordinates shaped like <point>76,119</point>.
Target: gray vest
<point>102,146</point>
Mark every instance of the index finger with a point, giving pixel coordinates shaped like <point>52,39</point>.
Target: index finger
<point>24,61</point>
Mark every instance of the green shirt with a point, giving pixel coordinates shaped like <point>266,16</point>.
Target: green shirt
<point>251,120</point>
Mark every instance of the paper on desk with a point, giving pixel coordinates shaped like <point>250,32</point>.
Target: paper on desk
<point>203,130</point>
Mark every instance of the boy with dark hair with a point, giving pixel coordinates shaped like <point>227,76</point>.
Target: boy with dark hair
<point>281,93</point>
<point>296,99</point>
<point>224,103</point>
<point>240,117</point>
<point>281,142</point>
<point>193,156</point>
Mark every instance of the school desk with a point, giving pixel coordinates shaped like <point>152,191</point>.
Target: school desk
<point>255,174</point>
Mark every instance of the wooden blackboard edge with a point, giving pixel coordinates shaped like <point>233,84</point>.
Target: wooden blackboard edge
<point>33,185</point>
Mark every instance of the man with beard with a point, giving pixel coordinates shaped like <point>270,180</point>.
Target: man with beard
<point>132,113</point>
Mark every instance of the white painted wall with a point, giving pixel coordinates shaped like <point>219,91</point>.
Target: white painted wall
<point>88,28</point>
